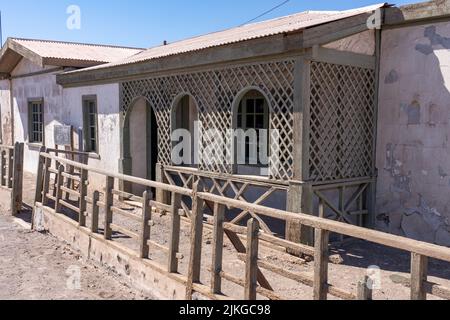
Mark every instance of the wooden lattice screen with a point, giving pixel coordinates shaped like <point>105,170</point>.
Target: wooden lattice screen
<point>214,91</point>
<point>342,122</point>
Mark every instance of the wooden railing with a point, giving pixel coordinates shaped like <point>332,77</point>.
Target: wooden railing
<point>255,284</point>
<point>11,173</point>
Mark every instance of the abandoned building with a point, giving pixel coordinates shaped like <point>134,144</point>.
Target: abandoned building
<point>359,98</point>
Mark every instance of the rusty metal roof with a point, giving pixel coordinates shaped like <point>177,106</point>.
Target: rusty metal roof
<point>287,24</point>
<point>58,53</point>
<point>76,51</point>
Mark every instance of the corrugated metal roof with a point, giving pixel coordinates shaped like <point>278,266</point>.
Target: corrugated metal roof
<point>77,51</point>
<point>291,23</point>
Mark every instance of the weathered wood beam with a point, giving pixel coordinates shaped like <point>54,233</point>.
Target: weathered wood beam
<point>263,47</point>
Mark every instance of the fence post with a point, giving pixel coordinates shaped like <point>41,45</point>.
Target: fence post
<point>174,245</point>
<point>3,168</point>
<point>217,254</point>
<point>195,241</point>
<point>108,204</point>
<point>419,271</point>
<point>146,229</point>
<point>59,193</point>
<point>17,184</point>
<point>321,264</point>
<point>10,168</point>
<point>40,177</point>
<point>364,291</point>
<point>251,268</point>
<point>95,212</point>
<point>83,195</point>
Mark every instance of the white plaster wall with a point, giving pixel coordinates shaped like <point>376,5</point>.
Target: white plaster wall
<point>108,108</point>
<point>38,86</point>
<point>5,112</point>
<point>413,151</point>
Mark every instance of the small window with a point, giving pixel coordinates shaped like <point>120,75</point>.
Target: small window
<point>36,121</point>
<point>90,124</point>
<point>253,113</point>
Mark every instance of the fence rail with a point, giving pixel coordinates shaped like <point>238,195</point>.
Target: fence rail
<point>255,284</point>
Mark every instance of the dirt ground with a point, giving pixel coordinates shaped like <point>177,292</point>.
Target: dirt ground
<point>36,266</point>
<point>355,257</point>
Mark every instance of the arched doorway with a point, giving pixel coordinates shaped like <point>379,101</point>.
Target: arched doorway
<point>140,144</point>
<point>185,119</point>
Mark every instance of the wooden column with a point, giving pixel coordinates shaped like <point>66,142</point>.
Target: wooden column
<point>3,168</point>
<point>95,212</point>
<point>299,200</point>
<point>419,271</point>
<point>364,290</point>
<point>59,192</point>
<point>161,195</point>
<point>145,228</point>
<point>195,242</point>
<point>321,265</point>
<point>17,185</point>
<point>174,246</point>
<point>251,264</point>
<point>300,191</point>
<point>108,203</point>
<point>217,254</point>
<point>10,168</point>
<point>83,194</point>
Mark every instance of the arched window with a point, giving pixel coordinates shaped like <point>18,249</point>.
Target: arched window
<point>184,139</point>
<point>252,131</point>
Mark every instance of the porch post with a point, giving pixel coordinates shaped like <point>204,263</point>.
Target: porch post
<point>300,192</point>
<point>161,195</point>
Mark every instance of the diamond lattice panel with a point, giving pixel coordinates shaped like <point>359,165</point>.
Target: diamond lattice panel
<point>342,122</point>
<point>214,91</point>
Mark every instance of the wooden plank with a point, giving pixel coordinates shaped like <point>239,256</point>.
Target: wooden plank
<point>124,231</point>
<point>145,227</point>
<point>17,186</point>
<point>63,203</point>
<point>95,212</point>
<point>240,248</point>
<point>3,168</point>
<point>195,241</point>
<point>364,289</point>
<point>40,177</point>
<point>10,154</point>
<point>217,253</point>
<point>83,193</point>
<point>59,192</point>
<point>251,266</point>
<point>174,246</point>
<point>46,188</point>
<point>344,58</point>
<point>108,204</point>
<point>419,274</point>
<point>321,265</point>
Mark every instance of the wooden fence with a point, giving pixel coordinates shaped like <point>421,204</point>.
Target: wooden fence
<point>11,174</point>
<point>254,284</point>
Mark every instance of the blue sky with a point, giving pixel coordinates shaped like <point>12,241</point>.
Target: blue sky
<point>144,23</point>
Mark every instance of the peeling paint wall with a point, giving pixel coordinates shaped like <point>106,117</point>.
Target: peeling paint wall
<point>108,123</point>
<point>413,151</point>
<point>5,112</point>
<point>64,106</point>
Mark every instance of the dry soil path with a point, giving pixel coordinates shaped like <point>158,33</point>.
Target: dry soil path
<point>36,266</point>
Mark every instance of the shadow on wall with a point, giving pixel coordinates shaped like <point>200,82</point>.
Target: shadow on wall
<point>413,147</point>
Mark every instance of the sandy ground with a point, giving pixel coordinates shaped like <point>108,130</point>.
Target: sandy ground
<point>356,256</point>
<point>36,266</point>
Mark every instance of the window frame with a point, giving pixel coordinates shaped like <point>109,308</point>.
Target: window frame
<point>87,125</point>
<point>242,106</point>
<point>31,122</point>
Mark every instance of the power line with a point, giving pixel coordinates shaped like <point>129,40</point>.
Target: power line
<point>267,12</point>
